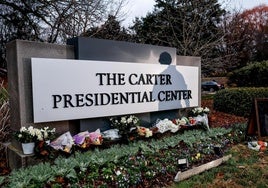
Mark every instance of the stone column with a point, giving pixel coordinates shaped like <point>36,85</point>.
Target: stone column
<point>19,54</point>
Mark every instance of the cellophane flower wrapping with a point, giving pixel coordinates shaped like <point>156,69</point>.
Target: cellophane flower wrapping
<point>111,134</point>
<point>63,142</point>
<point>96,137</point>
<point>203,120</point>
<point>85,139</point>
<point>80,137</point>
<point>166,125</point>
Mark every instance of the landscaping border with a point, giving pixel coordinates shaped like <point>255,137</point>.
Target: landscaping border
<point>197,170</point>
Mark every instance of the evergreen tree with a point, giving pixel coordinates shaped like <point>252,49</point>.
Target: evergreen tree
<point>111,29</point>
<point>191,26</point>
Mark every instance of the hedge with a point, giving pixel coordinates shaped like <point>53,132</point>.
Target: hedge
<point>252,75</point>
<point>238,101</point>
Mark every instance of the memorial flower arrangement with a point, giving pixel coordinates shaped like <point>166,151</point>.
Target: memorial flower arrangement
<point>124,123</point>
<point>200,111</point>
<point>63,143</point>
<point>27,134</point>
<point>181,121</point>
<point>200,116</point>
<point>31,134</point>
<point>166,125</point>
<point>85,139</point>
<point>47,134</point>
<point>143,131</point>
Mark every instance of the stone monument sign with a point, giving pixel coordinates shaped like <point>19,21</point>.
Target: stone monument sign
<point>74,87</point>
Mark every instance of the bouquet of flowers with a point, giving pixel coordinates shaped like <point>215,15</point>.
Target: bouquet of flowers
<point>64,143</point>
<point>200,111</point>
<point>47,134</point>
<point>166,125</point>
<point>124,123</point>
<point>85,139</point>
<point>200,116</point>
<point>146,132</point>
<point>181,122</point>
<point>27,134</point>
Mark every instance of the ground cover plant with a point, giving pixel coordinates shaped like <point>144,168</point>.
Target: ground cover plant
<point>145,164</point>
<point>151,163</point>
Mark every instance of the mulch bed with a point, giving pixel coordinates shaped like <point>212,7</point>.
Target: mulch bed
<point>220,119</point>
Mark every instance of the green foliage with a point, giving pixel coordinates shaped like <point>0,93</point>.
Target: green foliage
<point>20,178</point>
<point>252,75</point>
<point>171,24</point>
<point>111,30</point>
<point>238,101</point>
<point>2,179</point>
<point>41,174</point>
<point>65,167</point>
<point>124,165</point>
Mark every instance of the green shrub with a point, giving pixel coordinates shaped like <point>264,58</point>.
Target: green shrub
<point>238,101</point>
<point>252,75</point>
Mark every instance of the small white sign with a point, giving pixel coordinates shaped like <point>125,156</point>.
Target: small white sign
<point>77,89</point>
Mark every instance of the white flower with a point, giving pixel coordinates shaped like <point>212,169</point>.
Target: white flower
<point>53,130</point>
<point>32,131</point>
<point>23,129</point>
<point>39,137</point>
<point>206,110</point>
<point>148,133</point>
<point>118,172</point>
<point>123,120</point>
<point>129,120</point>
<point>45,135</point>
<point>200,111</point>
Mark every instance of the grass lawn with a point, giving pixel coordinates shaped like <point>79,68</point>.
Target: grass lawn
<point>246,168</point>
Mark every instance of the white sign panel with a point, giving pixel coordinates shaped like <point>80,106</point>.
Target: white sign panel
<point>76,89</point>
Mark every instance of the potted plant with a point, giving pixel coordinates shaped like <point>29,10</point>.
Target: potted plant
<point>200,111</point>
<point>124,124</point>
<point>27,136</point>
<point>200,115</point>
<point>43,149</point>
<point>47,134</point>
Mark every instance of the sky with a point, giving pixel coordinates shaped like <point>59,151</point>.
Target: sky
<point>139,8</point>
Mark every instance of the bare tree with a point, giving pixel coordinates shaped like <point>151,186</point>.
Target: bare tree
<point>245,37</point>
<point>52,21</point>
<point>56,20</point>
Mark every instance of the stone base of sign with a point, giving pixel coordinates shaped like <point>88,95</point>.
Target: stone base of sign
<point>16,159</point>
<point>19,54</point>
